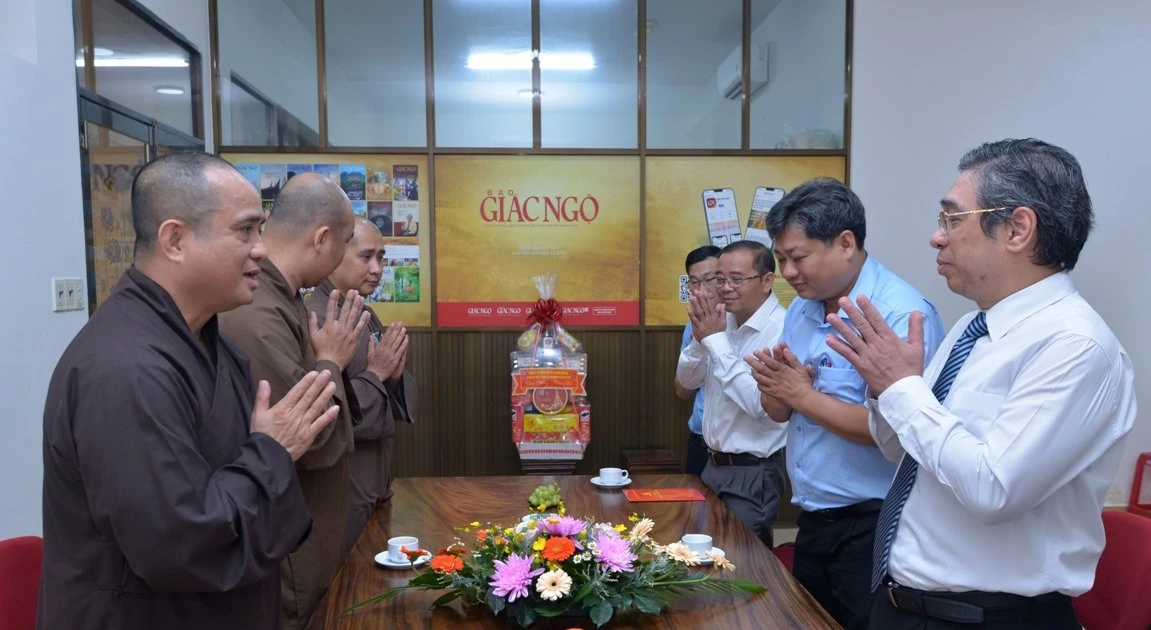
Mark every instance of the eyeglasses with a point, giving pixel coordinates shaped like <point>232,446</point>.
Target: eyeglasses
<point>696,283</point>
<point>718,281</point>
<point>945,217</point>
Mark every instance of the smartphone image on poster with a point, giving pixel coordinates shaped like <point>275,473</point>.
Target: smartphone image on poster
<point>764,199</point>
<point>721,215</point>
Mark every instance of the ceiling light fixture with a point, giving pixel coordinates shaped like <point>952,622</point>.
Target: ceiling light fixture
<point>137,62</point>
<point>523,61</point>
<point>102,52</point>
<point>528,92</point>
<point>169,89</point>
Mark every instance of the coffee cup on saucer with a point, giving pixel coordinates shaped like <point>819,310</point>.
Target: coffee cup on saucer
<point>612,476</point>
<point>398,544</point>
<point>699,543</point>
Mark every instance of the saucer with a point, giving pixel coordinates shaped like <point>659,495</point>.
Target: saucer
<point>596,481</point>
<point>706,562</point>
<point>383,560</point>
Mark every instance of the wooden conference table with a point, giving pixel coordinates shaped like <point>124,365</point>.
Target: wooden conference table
<point>431,507</point>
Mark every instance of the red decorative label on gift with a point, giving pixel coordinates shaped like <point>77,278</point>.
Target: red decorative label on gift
<point>554,378</point>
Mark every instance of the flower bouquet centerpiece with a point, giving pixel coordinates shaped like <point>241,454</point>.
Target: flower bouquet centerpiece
<point>551,565</point>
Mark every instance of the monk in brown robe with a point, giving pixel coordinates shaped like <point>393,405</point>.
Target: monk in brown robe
<point>310,226</point>
<point>170,498</point>
<point>384,389</point>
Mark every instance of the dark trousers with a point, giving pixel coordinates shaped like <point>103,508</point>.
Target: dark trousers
<point>751,490</point>
<point>833,550</point>
<point>1053,614</point>
<point>696,454</point>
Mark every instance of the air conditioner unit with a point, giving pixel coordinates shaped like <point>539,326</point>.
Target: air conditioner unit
<point>729,76</point>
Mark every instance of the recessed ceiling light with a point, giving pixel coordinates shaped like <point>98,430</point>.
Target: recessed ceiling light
<point>528,93</point>
<point>523,61</point>
<point>169,89</point>
<point>102,52</point>
<point>136,62</point>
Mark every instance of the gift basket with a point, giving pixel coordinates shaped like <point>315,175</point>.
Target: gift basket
<point>551,416</point>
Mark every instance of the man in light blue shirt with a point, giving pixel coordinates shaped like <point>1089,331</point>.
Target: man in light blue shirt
<point>838,475</point>
<point>702,266</point>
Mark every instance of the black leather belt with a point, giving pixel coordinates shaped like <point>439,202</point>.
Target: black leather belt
<point>738,459</point>
<point>966,607</point>
<point>862,508</point>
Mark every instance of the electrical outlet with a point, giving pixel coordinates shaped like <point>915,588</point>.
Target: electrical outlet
<point>67,294</point>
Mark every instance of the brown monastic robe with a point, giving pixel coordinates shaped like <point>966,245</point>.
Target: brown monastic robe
<point>274,331</point>
<point>161,508</point>
<point>380,404</point>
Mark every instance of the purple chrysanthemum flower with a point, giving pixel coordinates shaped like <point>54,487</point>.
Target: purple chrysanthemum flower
<point>563,526</point>
<point>513,576</point>
<point>614,553</point>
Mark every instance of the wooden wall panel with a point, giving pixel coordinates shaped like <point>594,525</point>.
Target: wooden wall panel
<point>417,451</point>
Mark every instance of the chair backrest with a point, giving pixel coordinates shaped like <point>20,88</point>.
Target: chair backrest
<point>1121,596</point>
<point>20,562</point>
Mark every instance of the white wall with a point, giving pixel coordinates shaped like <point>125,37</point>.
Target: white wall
<point>44,231</point>
<point>935,78</point>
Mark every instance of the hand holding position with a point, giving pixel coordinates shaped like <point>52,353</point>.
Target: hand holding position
<point>879,355</point>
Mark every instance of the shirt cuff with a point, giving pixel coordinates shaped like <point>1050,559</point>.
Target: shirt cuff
<point>717,344</point>
<point>903,400</point>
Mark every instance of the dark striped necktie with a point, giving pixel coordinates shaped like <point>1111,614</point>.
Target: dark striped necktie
<point>900,489</point>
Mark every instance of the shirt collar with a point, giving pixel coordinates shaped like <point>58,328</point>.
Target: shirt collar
<point>1024,303</point>
<point>762,315</point>
<point>865,284</point>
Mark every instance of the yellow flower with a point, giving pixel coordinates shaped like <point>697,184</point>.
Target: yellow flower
<point>475,523</point>
<point>634,517</point>
<point>539,544</point>
<point>508,531</point>
<point>621,528</point>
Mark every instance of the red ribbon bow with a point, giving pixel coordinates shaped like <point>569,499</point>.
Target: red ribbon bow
<point>546,312</point>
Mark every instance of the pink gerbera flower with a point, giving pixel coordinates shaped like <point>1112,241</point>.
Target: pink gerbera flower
<point>561,526</point>
<point>513,576</point>
<point>614,553</point>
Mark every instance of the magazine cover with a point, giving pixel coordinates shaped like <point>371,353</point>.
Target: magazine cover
<point>380,213</point>
<point>331,171</point>
<point>405,186</point>
<point>251,171</point>
<point>352,180</point>
<point>272,179</point>
<point>360,208</point>
<point>407,284</point>
<point>379,184</point>
<point>406,218</point>
<point>296,169</point>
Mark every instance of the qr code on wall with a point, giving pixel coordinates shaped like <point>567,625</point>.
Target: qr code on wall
<point>684,291</point>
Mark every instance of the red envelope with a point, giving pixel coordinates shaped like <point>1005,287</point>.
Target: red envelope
<point>663,494</point>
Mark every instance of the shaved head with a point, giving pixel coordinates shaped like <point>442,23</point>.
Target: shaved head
<point>307,201</point>
<point>365,229</point>
<point>175,186</point>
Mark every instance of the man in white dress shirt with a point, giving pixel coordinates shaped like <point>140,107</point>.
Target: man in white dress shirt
<point>1009,440</point>
<point>745,447</point>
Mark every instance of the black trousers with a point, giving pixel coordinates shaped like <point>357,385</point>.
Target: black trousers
<point>696,454</point>
<point>833,552</point>
<point>1053,615</point>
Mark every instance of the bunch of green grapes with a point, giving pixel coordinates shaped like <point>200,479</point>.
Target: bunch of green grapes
<point>545,497</point>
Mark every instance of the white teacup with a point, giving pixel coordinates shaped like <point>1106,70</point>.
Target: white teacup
<point>395,546</point>
<point>612,476</point>
<point>699,543</point>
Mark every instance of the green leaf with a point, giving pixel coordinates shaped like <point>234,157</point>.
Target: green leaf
<point>646,604</point>
<point>601,613</point>
<point>445,598</point>
<point>496,603</point>
<point>525,616</point>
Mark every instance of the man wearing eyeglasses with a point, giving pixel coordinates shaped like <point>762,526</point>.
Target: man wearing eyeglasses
<point>744,466</point>
<point>838,476</point>
<point>702,266</point>
<point>1009,439</point>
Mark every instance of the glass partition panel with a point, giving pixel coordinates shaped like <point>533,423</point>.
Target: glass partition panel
<point>374,54</point>
<point>483,59</point>
<point>588,74</point>
<point>135,64</point>
<point>797,74</point>
<point>271,45</point>
<point>690,46</point>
